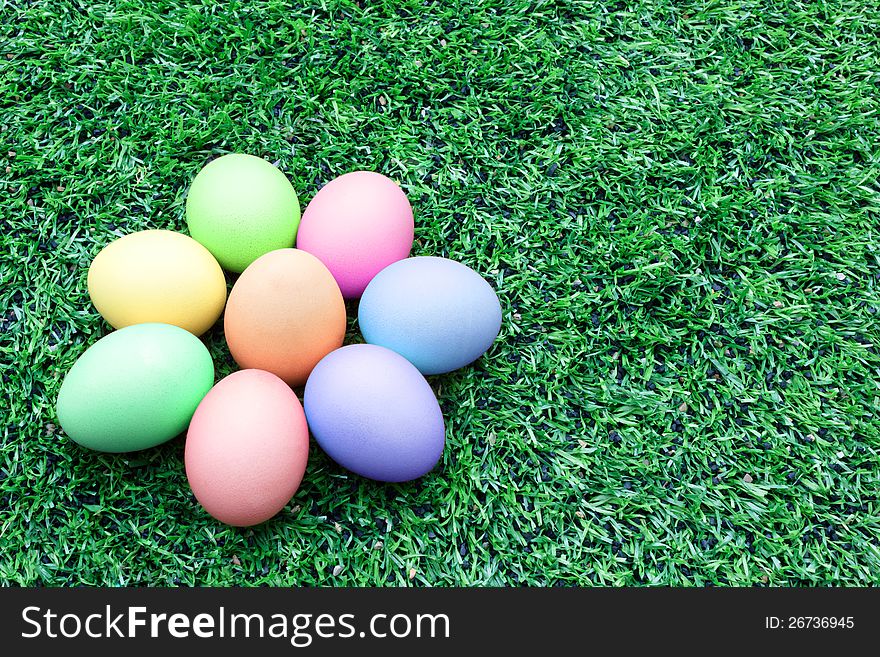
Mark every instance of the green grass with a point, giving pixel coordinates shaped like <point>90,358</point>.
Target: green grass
<point>677,202</point>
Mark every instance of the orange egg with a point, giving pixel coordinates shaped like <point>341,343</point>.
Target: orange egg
<point>284,314</point>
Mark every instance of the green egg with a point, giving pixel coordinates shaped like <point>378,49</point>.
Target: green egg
<point>135,388</point>
<point>240,207</point>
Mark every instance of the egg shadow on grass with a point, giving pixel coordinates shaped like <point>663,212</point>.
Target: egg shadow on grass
<point>352,330</point>
<point>105,478</point>
<point>150,459</point>
<point>330,493</point>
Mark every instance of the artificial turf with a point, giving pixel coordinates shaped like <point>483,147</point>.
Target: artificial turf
<point>677,203</point>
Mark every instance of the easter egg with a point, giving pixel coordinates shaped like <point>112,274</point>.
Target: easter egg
<point>284,314</point>
<point>357,224</point>
<point>157,276</point>
<point>240,207</point>
<point>437,313</point>
<point>134,388</point>
<point>373,413</point>
<point>247,448</point>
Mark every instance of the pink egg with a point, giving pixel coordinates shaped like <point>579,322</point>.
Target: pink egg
<point>357,224</point>
<point>246,448</point>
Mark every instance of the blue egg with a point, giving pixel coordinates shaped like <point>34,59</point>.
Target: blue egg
<point>437,313</point>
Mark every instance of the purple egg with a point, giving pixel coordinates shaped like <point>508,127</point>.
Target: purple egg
<point>373,413</point>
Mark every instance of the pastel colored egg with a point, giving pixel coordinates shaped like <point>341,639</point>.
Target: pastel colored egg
<point>157,276</point>
<point>373,413</point>
<point>357,224</point>
<point>134,388</point>
<point>241,207</point>
<point>247,448</point>
<point>284,314</point>
<point>437,313</point>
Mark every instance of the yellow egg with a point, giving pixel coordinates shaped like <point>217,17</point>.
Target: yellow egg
<point>157,276</point>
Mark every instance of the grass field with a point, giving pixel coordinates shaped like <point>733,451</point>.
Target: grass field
<point>677,203</point>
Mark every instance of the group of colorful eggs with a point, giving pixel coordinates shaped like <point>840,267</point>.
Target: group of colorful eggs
<point>368,405</point>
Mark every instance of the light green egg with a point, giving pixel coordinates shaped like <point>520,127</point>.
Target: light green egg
<point>240,207</point>
<point>135,388</point>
